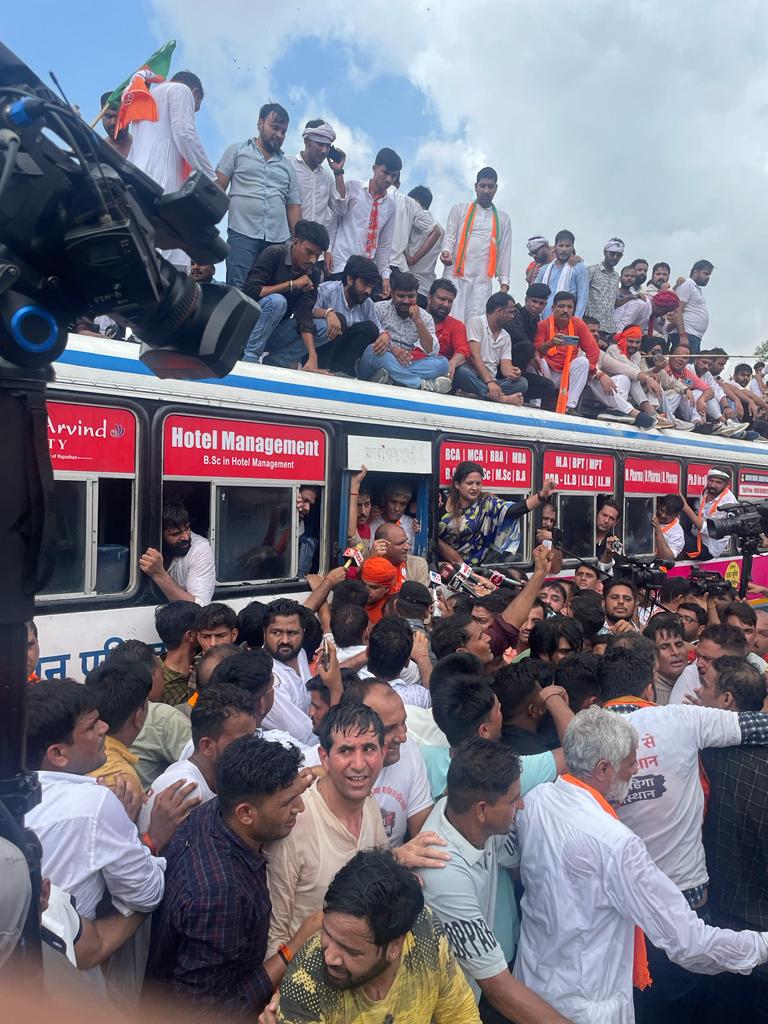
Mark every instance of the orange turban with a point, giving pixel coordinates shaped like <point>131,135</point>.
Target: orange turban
<point>381,572</point>
<point>630,332</point>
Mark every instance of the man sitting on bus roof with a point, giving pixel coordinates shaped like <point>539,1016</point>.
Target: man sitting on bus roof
<point>185,571</point>
<point>345,315</point>
<point>551,348</point>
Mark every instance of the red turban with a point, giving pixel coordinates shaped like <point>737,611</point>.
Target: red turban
<point>664,302</point>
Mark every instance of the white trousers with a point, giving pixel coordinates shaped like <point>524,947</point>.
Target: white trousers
<point>472,293</point>
<point>577,380</point>
<point>678,405</point>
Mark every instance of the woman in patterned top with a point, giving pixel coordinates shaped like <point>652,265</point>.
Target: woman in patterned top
<point>476,525</point>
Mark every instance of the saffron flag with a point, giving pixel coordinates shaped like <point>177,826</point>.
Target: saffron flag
<point>133,95</point>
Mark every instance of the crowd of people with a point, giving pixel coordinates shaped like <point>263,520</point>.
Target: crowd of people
<point>358,279</point>
<point>537,800</point>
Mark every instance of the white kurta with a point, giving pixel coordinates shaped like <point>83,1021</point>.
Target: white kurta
<point>160,148</point>
<point>475,286</point>
<point>588,880</point>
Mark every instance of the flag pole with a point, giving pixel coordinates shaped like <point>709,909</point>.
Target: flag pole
<point>99,116</point>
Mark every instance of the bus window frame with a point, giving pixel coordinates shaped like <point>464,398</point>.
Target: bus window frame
<point>329,429</point>
<point>734,469</point>
<point>623,459</point>
<point>570,561</point>
<point>90,595</point>
<point>527,532</point>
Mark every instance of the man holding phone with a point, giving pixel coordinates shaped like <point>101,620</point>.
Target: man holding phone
<point>323,196</point>
<point>554,335</point>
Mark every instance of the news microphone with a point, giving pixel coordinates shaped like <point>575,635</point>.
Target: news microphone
<point>468,573</point>
<point>498,579</point>
<point>353,555</point>
<point>452,578</point>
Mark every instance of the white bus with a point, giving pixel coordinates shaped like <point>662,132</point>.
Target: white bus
<point>237,450</point>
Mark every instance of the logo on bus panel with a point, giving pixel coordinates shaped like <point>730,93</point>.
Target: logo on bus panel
<point>202,446</point>
<point>91,438</point>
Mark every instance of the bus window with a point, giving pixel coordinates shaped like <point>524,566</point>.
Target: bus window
<point>71,547</point>
<point>113,551</point>
<point>576,516</point>
<point>638,532</point>
<point>253,533</point>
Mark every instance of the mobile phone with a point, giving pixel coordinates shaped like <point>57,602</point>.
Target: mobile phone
<point>325,657</point>
<point>567,339</point>
<point>336,154</point>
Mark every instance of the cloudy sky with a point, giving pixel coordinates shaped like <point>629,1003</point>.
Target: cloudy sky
<point>646,119</point>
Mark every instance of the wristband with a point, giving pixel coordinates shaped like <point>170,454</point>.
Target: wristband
<point>284,953</point>
<point>147,840</point>
<point>560,695</point>
<point>339,173</point>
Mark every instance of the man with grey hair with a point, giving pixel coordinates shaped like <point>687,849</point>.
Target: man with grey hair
<point>592,890</point>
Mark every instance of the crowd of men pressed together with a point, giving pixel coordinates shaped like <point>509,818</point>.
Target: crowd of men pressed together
<point>358,279</point>
<point>392,801</point>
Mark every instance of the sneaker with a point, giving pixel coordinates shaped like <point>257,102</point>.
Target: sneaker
<point>380,377</point>
<point>663,423</point>
<point>704,428</point>
<point>739,429</point>
<point>442,385</point>
<point>616,417</point>
<point>728,430</point>
<point>684,425</point>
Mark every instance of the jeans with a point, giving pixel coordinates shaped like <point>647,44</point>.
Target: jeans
<point>694,342</point>
<point>242,255</point>
<point>274,333</point>
<point>343,354</point>
<point>468,379</point>
<point>406,376</point>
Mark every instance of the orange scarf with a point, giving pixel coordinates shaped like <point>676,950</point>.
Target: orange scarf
<point>641,976</point>
<point>697,551</point>
<point>466,230</point>
<point>565,373</point>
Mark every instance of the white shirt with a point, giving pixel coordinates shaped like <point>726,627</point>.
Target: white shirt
<point>352,232</point>
<point>196,571</point>
<point>320,201</point>
<point>345,653</point>
<point>665,803</point>
<point>478,247</point>
<point>409,216</point>
<point>636,312</point>
<point>293,680</point>
<point>723,500</point>
<point>289,710</point>
<point>492,350</point>
<point>161,148</point>
<point>90,845</point>
<point>425,268</point>
<point>402,790</point>
<point>182,769</point>
<point>422,728</point>
<point>695,314</point>
<point>408,523</point>
<point>686,682</point>
<point>675,537</point>
<point>576,950</point>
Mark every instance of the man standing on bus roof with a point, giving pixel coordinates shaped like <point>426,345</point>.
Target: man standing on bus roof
<point>185,571</point>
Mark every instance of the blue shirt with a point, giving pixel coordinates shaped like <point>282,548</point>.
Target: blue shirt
<point>578,286</point>
<point>330,295</point>
<point>259,191</point>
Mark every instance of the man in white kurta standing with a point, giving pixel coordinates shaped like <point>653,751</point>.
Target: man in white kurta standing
<point>592,892</point>
<point>477,248</point>
<point>169,149</point>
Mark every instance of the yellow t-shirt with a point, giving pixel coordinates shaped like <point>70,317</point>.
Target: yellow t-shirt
<point>120,761</point>
<point>429,986</point>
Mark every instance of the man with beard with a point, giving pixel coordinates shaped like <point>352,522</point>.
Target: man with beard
<point>122,141</point>
<point>202,273</point>
<point>640,268</point>
<point>407,353</point>
<point>665,808</point>
<point>185,571</point>
<point>522,330</point>
<point>562,275</point>
<point>451,333</point>
<point>323,197</point>
<point>540,253</point>
<point>346,316</point>
<point>693,307</point>
<point>477,248</point>
<point>570,830</point>
<point>715,641</point>
<point>604,285</point>
<point>632,309</point>
<point>381,955</point>
<point>713,504</point>
<point>264,194</point>
<point>551,348</point>
<point>620,601</point>
<point>283,637</point>
<point>669,539</point>
<point>659,279</point>
<point>305,502</point>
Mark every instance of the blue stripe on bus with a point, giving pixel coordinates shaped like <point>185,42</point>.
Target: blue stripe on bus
<point>97,361</point>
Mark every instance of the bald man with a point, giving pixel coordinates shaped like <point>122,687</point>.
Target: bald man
<point>394,546</point>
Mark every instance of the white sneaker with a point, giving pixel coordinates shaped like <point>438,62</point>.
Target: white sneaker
<point>738,428</point>
<point>683,424</point>
<point>442,385</point>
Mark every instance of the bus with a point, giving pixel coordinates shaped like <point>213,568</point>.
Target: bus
<point>237,450</point>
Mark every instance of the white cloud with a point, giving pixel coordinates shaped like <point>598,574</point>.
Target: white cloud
<point>644,119</point>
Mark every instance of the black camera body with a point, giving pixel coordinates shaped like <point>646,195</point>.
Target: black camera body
<point>743,521</point>
<point>641,573</point>
<point>711,584</point>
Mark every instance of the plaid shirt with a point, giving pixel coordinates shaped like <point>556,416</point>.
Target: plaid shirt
<point>736,834</point>
<point>209,936</point>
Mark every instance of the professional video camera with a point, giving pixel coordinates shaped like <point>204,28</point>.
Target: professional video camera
<point>79,227</point>
<point>711,584</point>
<point>641,573</point>
<point>743,520</point>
